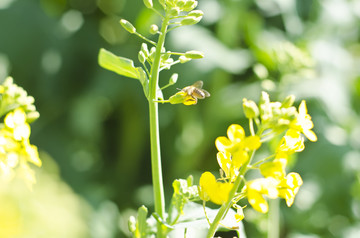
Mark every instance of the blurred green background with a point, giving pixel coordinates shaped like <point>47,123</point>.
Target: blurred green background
<point>93,130</point>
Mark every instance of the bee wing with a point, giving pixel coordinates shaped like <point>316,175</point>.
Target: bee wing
<point>207,94</point>
<point>198,84</point>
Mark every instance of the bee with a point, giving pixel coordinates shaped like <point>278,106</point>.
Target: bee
<point>196,91</point>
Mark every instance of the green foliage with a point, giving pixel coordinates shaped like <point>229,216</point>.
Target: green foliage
<point>95,128</point>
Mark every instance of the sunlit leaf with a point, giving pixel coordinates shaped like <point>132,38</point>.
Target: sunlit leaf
<point>119,65</point>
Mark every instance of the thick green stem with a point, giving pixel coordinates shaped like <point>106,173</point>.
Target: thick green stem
<point>238,185</point>
<point>274,219</point>
<point>154,132</point>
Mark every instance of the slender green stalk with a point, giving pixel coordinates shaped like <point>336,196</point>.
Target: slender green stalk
<point>238,185</point>
<point>274,219</point>
<point>154,132</point>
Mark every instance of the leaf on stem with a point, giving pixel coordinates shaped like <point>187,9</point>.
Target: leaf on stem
<point>119,65</point>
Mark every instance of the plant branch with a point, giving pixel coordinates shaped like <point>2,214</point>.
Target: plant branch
<point>154,132</point>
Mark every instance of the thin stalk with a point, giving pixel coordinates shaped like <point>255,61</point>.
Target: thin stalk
<point>238,185</point>
<point>155,135</point>
<point>274,219</point>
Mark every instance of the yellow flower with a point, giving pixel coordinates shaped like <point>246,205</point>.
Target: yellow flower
<point>292,142</point>
<point>236,140</point>
<point>239,216</point>
<point>210,189</point>
<point>255,190</point>
<point>275,169</point>
<point>15,148</point>
<point>303,122</point>
<point>231,164</point>
<point>289,187</point>
<point>182,97</point>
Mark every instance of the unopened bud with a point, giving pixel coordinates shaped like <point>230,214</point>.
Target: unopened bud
<point>187,21</point>
<point>264,98</point>
<point>288,101</point>
<point>127,26</point>
<point>132,224</point>
<point>173,79</point>
<point>251,110</point>
<point>196,13</point>
<point>141,57</point>
<point>183,59</point>
<point>190,5</point>
<point>180,3</point>
<point>32,116</point>
<point>144,49</point>
<point>154,29</point>
<point>148,3</point>
<point>174,11</point>
<point>193,54</point>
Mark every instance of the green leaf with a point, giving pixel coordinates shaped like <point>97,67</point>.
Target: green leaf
<point>117,64</point>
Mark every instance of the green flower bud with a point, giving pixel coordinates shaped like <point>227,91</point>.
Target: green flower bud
<point>174,11</point>
<point>145,50</point>
<point>32,116</point>
<point>196,13</point>
<point>173,79</point>
<point>251,110</point>
<point>190,5</point>
<point>132,224</point>
<point>187,21</point>
<point>152,52</point>
<point>127,26</point>
<point>288,101</point>
<point>180,4</point>
<point>177,98</point>
<point>141,57</point>
<point>154,29</point>
<point>148,3</point>
<point>193,54</point>
<point>264,98</point>
<point>183,59</point>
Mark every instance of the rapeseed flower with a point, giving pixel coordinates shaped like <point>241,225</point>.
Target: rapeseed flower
<point>210,189</point>
<point>303,123</point>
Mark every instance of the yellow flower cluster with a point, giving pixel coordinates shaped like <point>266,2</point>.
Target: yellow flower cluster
<point>15,148</point>
<point>235,153</point>
<point>275,182</point>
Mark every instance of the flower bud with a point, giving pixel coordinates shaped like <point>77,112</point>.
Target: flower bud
<point>193,54</point>
<point>127,26</point>
<point>132,224</point>
<point>187,21</point>
<point>251,110</point>
<point>141,57</point>
<point>173,79</point>
<point>174,11</point>
<point>288,101</point>
<point>153,29</point>
<point>180,3</point>
<point>183,59</point>
<point>190,5</point>
<point>196,13</point>
<point>148,3</point>
<point>182,97</point>
<point>32,116</point>
<point>144,49</point>
<point>264,98</point>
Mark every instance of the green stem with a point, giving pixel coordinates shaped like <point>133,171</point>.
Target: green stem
<point>273,219</point>
<point>154,133</point>
<point>238,185</point>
